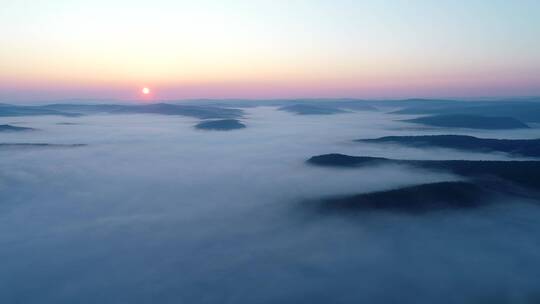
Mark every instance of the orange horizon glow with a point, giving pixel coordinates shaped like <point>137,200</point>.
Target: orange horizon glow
<point>205,49</point>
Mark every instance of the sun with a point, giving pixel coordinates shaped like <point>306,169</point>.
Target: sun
<point>145,91</point>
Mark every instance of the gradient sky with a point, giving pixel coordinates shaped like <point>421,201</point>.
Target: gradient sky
<point>54,49</point>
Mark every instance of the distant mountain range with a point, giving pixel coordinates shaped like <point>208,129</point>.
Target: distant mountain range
<point>526,110</point>
<point>484,181</point>
<point>470,121</point>
<point>523,173</point>
<point>517,147</point>
<point>38,145</point>
<point>326,108</point>
<point>10,128</point>
<point>202,112</point>
<point>220,125</point>
<point>303,109</point>
<point>416,199</point>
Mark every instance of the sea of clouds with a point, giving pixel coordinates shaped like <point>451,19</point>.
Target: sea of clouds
<point>153,210</point>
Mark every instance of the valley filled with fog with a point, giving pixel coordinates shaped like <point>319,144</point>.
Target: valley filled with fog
<point>145,207</point>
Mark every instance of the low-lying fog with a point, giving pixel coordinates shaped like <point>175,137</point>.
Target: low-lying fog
<point>153,210</point>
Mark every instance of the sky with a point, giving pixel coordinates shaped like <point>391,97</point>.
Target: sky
<point>54,50</point>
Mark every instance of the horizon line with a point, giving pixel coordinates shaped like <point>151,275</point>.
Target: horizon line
<point>146,101</point>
